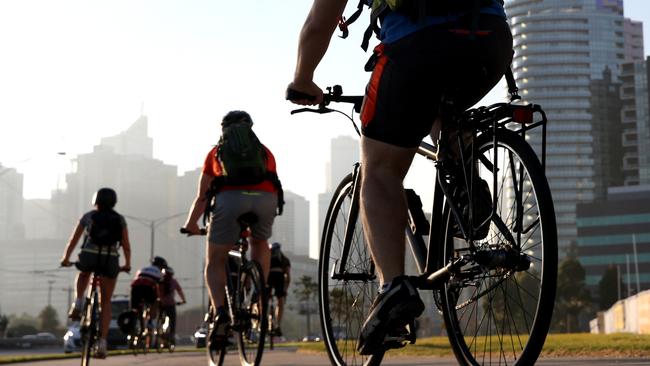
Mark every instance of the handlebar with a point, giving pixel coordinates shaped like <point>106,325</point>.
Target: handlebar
<point>333,94</point>
<point>202,231</point>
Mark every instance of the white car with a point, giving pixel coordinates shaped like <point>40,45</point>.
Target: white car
<point>72,338</point>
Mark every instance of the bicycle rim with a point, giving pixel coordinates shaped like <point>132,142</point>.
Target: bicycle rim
<point>272,322</point>
<point>252,322</point>
<point>88,331</point>
<point>215,354</point>
<point>345,302</point>
<point>498,314</point>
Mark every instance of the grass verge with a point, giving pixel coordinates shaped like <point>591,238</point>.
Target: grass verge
<point>557,345</point>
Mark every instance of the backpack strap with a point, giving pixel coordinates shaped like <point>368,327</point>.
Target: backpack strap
<point>344,23</point>
<point>373,27</point>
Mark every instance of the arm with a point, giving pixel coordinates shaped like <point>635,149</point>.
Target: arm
<point>198,206</point>
<point>72,243</point>
<point>126,248</point>
<point>314,40</point>
<point>180,292</point>
<point>287,278</point>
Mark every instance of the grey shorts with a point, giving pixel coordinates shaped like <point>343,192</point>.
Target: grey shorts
<point>224,229</point>
<point>103,260</point>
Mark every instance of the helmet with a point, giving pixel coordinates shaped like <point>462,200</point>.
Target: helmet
<point>276,245</point>
<point>105,198</point>
<point>236,117</point>
<point>168,271</point>
<point>159,262</point>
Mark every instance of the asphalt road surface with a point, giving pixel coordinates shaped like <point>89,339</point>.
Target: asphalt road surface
<point>282,357</point>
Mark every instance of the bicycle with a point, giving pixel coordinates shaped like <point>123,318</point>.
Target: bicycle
<point>89,324</point>
<point>142,336</point>
<point>493,277</point>
<point>245,302</point>
<point>272,319</point>
<point>163,337</point>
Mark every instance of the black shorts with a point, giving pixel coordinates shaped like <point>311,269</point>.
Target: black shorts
<point>142,294</point>
<point>276,283</point>
<point>413,73</point>
<point>101,259</point>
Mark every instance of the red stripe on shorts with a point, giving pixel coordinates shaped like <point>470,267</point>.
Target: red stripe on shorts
<point>370,104</point>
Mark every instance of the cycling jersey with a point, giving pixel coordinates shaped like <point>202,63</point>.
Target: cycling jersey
<point>149,276</point>
<point>396,25</point>
<point>212,167</point>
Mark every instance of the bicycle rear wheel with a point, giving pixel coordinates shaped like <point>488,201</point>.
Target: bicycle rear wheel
<point>251,323</point>
<point>498,307</point>
<point>345,294</point>
<point>88,329</point>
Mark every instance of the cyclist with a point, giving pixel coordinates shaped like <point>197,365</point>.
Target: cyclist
<point>279,279</point>
<point>145,288</point>
<point>168,287</point>
<point>104,230</point>
<point>229,203</point>
<point>418,60</point>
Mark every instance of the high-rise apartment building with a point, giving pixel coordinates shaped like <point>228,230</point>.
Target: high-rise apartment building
<point>11,204</point>
<point>635,116</point>
<point>560,48</point>
<point>292,228</point>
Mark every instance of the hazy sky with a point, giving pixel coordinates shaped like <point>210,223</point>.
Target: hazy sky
<point>74,71</point>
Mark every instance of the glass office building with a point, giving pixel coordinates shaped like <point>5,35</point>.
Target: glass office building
<point>561,48</point>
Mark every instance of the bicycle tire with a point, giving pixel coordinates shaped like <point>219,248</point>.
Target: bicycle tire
<point>216,353</point>
<point>502,315</point>
<point>88,329</point>
<point>252,323</point>
<point>344,304</point>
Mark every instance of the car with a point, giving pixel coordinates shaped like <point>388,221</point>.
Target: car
<point>45,336</point>
<point>199,336</point>
<point>116,339</point>
<point>311,338</point>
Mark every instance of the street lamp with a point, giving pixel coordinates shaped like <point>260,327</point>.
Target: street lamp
<point>152,225</point>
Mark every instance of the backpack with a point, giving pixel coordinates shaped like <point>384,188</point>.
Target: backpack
<point>241,155</point>
<point>415,9</point>
<point>277,259</point>
<point>105,228</point>
<point>242,158</point>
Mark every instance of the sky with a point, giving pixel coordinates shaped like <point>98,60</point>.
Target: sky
<point>72,72</point>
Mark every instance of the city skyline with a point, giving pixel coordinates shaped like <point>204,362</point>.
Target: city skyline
<point>166,62</point>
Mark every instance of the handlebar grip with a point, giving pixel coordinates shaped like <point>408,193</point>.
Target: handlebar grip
<point>202,231</point>
<point>293,94</point>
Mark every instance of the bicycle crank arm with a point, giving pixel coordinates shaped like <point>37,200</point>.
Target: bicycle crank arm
<point>438,278</point>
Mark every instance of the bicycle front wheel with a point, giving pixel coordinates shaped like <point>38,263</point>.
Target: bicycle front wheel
<point>216,352</point>
<point>88,330</point>
<point>252,321</point>
<point>347,281</point>
<point>498,306</point>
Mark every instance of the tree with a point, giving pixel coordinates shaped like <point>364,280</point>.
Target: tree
<point>608,287</point>
<point>4,321</point>
<point>305,290</point>
<point>48,319</point>
<point>572,296</point>
<point>19,330</point>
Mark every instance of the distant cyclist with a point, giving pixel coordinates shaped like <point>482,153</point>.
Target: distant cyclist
<point>279,279</point>
<point>231,185</point>
<point>145,288</point>
<point>104,230</point>
<point>168,287</point>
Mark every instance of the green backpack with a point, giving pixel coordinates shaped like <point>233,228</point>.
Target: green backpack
<point>416,9</point>
<point>241,155</point>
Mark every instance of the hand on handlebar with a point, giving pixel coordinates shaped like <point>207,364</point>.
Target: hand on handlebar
<point>126,269</point>
<point>306,93</point>
<point>65,262</point>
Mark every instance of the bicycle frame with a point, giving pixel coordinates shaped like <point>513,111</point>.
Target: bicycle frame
<point>431,270</point>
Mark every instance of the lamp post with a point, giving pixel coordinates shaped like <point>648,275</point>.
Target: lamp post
<point>152,226</point>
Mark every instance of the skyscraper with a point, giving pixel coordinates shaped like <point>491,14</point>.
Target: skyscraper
<point>560,48</point>
<point>292,228</point>
<point>635,77</point>
<point>11,204</point>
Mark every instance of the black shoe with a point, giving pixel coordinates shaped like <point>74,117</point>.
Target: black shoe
<point>277,332</point>
<point>218,329</point>
<point>390,311</point>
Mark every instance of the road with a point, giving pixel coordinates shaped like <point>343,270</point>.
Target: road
<point>290,357</point>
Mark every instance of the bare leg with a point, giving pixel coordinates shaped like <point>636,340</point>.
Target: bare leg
<point>215,272</point>
<point>280,309</point>
<point>261,253</point>
<point>82,284</point>
<point>106,293</point>
<point>383,204</point>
